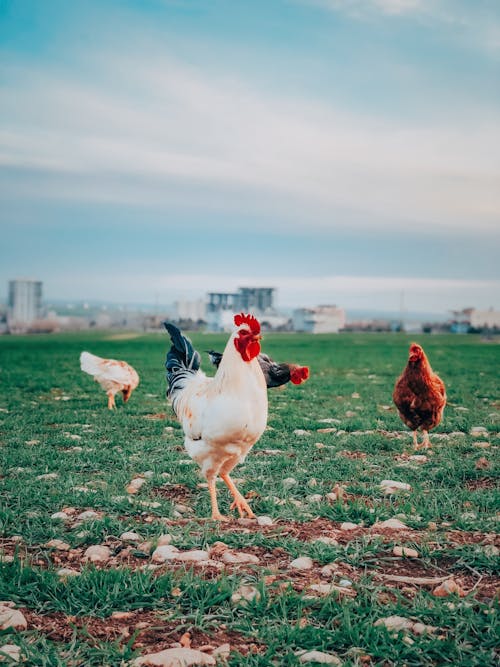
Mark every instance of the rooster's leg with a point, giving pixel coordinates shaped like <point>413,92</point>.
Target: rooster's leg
<point>239,502</point>
<point>415,440</point>
<point>111,401</point>
<point>426,443</point>
<point>216,515</point>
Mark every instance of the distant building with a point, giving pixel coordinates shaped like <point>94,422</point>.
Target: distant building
<point>485,319</point>
<point>191,310</point>
<point>24,304</point>
<point>221,306</point>
<point>321,319</point>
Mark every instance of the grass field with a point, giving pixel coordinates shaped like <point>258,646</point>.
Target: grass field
<point>62,449</point>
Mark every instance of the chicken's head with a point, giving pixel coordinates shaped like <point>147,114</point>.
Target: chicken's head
<point>298,374</point>
<point>416,353</point>
<point>247,340</point>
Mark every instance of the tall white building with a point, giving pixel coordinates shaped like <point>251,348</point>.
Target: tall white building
<point>25,303</point>
<point>322,319</point>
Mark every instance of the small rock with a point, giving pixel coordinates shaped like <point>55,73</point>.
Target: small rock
<point>318,656</point>
<point>6,558</point>
<point>122,615</point>
<point>394,524</point>
<point>194,555</point>
<point>478,431</point>
<point>390,486</point>
<point>418,458</point>
<point>175,657</point>
<point>164,539</point>
<point>482,445</point>
<point>300,431</point>
<point>48,476</point>
<point>448,587</point>
<point>223,651</point>
<point>324,539</point>
<point>264,521</point>
<point>164,553</point>
<point>405,551</point>
<point>314,498</point>
<point>491,550</point>
<point>11,618</point>
<point>245,593</point>
<point>302,563</point>
<point>239,557</point>
<point>135,485</point>
<point>422,629</point>
<point>345,583</point>
<point>65,572</point>
<point>97,553</point>
<point>130,536</point>
<point>11,651</point>
<point>394,623</point>
<point>58,545</point>
<point>88,514</point>
<point>289,482</point>
<point>347,525</point>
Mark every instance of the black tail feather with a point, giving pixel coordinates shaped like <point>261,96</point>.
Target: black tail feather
<point>182,360</point>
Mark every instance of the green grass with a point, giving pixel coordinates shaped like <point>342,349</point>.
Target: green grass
<point>53,419</point>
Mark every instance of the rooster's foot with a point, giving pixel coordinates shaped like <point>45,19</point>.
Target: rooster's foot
<point>243,507</point>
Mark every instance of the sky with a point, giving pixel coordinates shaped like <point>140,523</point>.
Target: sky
<point>343,151</point>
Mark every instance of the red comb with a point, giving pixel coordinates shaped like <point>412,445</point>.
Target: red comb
<point>254,325</point>
<point>299,374</point>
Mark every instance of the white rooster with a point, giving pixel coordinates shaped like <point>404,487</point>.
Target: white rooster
<point>111,374</point>
<point>224,416</point>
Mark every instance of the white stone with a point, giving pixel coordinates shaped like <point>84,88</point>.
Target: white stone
<point>59,545</point>
<point>88,514</point>
<point>195,555</point>
<point>239,557</point>
<point>164,553</point>
<point>130,536</point>
<point>135,485</point>
<point>300,431</point>
<point>395,623</point>
<point>65,572</point>
<point>48,476</point>
<point>318,656</point>
<point>345,583</point>
<point>164,539</point>
<point>245,593</point>
<point>331,541</point>
<point>11,618</point>
<point>391,486</point>
<point>302,563</point>
<point>97,553</point>
<point>289,481</point>
<point>347,525</point>
<point>314,498</point>
<point>175,657</point>
<point>393,523</point>
<point>478,431</point>
<point>12,651</point>
<point>264,520</point>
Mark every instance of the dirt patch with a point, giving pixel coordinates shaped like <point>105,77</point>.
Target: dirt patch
<point>482,484</point>
<point>176,492</point>
<point>157,415</point>
<point>152,631</point>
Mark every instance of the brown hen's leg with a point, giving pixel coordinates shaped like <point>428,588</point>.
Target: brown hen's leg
<point>216,515</point>
<point>239,502</point>
<point>111,401</point>
<point>415,440</point>
<point>426,443</point>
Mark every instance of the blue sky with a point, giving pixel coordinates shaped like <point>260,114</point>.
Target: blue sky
<point>341,150</point>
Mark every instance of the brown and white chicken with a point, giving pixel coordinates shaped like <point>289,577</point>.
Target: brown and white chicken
<point>111,374</point>
<point>222,416</point>
<point>419,395</point>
